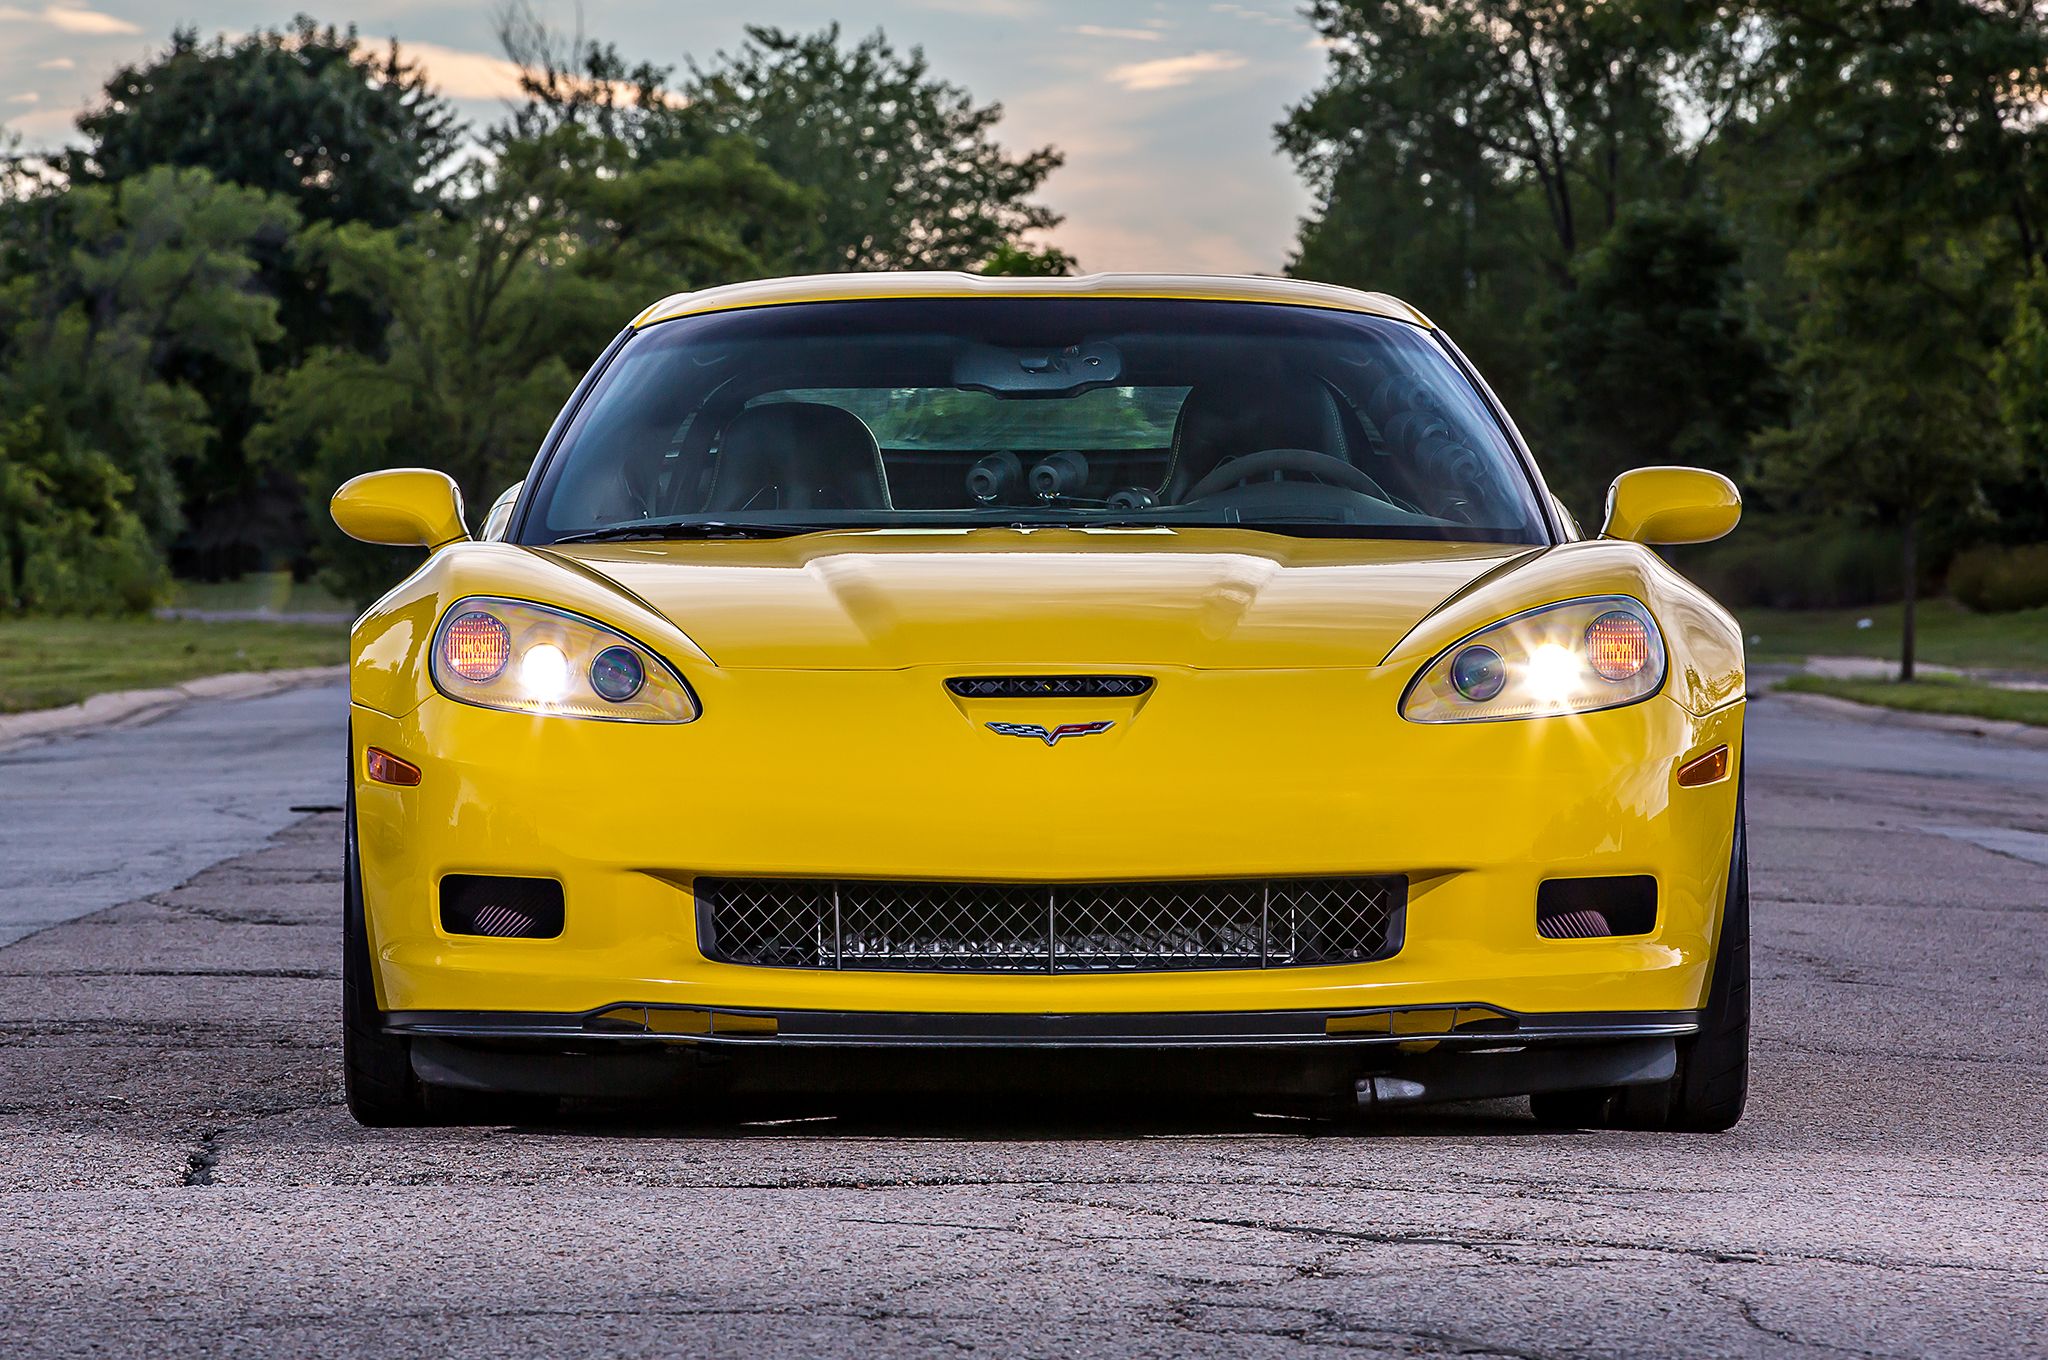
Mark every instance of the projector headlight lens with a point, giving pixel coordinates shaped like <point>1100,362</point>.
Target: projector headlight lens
<point>529,658</point>
<point>617,674</point>
<point>1575,657</point>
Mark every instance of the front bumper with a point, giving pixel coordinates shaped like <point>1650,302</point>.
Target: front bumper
<point>1414,1029</point>
<point>883,775</point>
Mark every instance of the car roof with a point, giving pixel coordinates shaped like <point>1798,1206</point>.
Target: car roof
<point>954,284</point>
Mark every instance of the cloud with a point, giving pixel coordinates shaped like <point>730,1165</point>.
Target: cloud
<point>1167,72</point>
<point>70,19</point>
<point>56,64</point>
<point>464,75</point>
<point>984,9</point>
<point>1256,16</point>
<point>29,97</point>
<point>1098,31</point>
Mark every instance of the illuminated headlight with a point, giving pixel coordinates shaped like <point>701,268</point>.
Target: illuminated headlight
<point>528,658</point>
<point>1562,658</point>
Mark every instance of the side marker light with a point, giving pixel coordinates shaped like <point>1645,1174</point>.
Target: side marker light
<point>1710,768</point>
<point>385,768</point>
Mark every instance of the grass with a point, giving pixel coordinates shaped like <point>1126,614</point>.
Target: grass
<point>1939,695</point>
<point>48,662</point>
<point>1950,635</point>
<point>274,591</point>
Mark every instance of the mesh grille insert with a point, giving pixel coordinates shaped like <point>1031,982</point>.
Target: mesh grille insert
<point>1049,686</point>
<point>1050,928</point>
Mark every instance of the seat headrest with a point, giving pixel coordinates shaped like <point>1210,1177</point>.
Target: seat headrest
<point>1223,418</point>
<point>793,455</point>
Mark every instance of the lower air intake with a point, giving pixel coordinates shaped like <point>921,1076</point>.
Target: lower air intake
<point>1050,928</point>
<point>501,907</point>
<point>1588,908</point>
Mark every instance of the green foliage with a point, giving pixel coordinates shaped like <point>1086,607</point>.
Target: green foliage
<point>270,267</point>
<point>345,133</point>
<point>908,172</point>
<point>1997,580</point>
<point>69,544</point>
<point>109,296</point>
<point>1771,565</point>
<point>558,242</point>
<point>1468,154</point>
<point>1655,357</point>
<point>1013,259</point>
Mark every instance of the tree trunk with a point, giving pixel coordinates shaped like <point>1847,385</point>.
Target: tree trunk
<point>1911,564</point>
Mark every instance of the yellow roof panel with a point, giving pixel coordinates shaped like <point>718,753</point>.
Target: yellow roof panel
<point>1191,287</point>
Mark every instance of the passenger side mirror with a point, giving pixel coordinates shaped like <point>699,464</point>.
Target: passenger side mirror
<point>498,518</point>
<point>403,507</point>
<point>1671,505</point>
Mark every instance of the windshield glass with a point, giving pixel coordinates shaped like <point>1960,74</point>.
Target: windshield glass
<point>1056,411</point>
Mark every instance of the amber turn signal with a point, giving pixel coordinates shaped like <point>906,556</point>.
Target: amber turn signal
<point>386,768</point>
<point>1710,768</point>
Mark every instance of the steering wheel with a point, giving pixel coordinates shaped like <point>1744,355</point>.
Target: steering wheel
<point>1307,462</point>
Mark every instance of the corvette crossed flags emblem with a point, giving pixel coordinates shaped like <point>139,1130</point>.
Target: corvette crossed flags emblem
<point>1049,735</point>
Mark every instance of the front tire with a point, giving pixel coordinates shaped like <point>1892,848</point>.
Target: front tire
<point>1707,1092</point>
<point>377,1070</point>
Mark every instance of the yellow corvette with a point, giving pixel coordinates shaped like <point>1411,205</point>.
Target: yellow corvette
<point>1188,667</point>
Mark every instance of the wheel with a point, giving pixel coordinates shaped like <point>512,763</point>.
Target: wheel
<point>377,1071</point>
<point>1707,1092</point>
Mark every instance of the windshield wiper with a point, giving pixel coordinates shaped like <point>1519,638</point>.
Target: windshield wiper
<point>690,528</point>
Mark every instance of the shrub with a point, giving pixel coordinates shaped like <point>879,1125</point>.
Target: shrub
<point>1773,566</point>
<point>1993,580</point>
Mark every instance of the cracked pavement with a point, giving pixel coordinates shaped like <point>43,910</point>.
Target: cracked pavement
<point>178,1177</point>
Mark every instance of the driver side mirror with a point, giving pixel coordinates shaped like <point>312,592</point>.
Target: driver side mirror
<point>402,507</point>
<point>1671,505</point>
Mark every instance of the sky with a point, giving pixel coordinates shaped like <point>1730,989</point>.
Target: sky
<point>1165,110</point>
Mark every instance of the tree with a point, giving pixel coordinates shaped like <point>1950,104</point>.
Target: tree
<point>1466,154</point>
<point>2019,374</point>
<point>495,308</point>
<point>1894,412</point>
<point>1655,357</point>
<point>309,113</point>
<point>342,132</point>
<point>69,541</point>
<point>108,291</point>
<point>906,166</point>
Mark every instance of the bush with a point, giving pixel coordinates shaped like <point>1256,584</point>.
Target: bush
<point>1772,566</point>
<point>1994,580</point>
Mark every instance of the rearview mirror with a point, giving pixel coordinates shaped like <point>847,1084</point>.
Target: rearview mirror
<point>403,507</point>
<point>1671,505</point>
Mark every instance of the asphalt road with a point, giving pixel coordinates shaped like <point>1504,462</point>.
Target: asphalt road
<point>178,1178</point>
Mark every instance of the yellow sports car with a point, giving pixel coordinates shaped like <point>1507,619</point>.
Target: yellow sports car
<point>1189,668</point>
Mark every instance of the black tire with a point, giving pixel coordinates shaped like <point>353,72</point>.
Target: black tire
<point>1707,1093</point>
<point>377,1070</point>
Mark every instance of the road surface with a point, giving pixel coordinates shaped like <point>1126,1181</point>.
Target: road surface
<point>178,1178</point>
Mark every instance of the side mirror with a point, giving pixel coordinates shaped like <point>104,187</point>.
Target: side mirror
<point>1671,505</point>
<point>499,517</point>
<point>404,507</point>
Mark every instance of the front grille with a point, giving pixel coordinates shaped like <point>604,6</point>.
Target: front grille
<point>1049,686</point>
<point>1049,928</point>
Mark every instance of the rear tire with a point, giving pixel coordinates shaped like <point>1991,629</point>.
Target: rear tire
<point>1707,1092</point>
<point>377,1070</point>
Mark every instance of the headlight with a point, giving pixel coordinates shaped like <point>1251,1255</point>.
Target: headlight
<point>528,658</point>
<point>1562,658</point>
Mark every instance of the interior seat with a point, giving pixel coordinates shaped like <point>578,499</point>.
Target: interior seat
<point>1246,413</point>
<point>793,455</point>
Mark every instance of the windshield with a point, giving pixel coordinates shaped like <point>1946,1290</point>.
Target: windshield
<point>1033,411</point>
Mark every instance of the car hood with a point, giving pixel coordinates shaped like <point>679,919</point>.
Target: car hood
<point>890,599</point>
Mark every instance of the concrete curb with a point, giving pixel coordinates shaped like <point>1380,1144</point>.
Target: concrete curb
<point>1988,729</point>
<point>128,706</point>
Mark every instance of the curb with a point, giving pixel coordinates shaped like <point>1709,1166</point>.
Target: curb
<point>1987,729</point>
<point>121,708</point>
